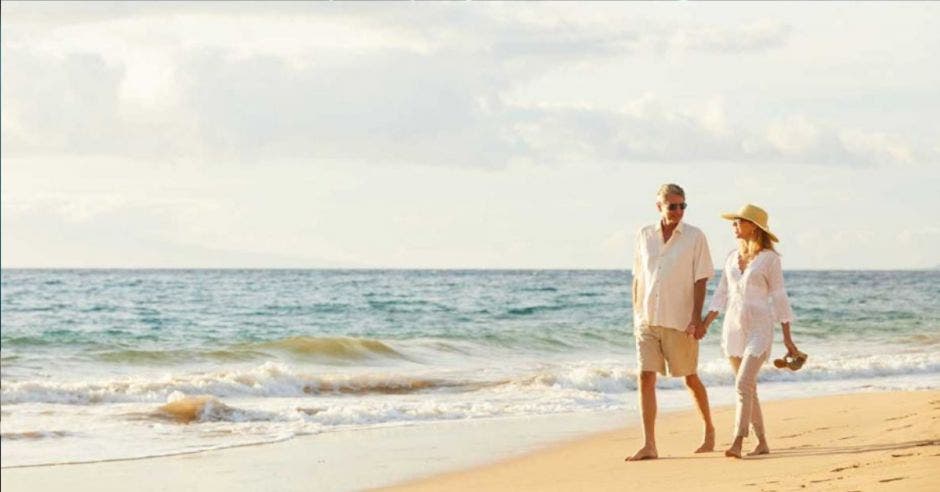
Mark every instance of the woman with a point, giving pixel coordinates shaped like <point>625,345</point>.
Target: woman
<point>751,289</point>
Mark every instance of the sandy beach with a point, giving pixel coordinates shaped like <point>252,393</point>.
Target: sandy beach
<point>357,246</point>
<point>864,441</point>
<point>869,441</point>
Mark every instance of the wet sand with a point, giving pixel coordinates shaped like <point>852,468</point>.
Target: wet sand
<point>862,441</point>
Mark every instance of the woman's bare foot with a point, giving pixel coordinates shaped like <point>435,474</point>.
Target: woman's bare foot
<point>735,450</point>
<point>761,448</point>
<point>645,453</point>
<point>708,443</point>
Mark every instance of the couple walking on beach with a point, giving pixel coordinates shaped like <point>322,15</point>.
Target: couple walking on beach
<point>671,269</point>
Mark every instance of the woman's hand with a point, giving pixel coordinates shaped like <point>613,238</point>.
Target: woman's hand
<point>702,329</point>
<point>791,347</point>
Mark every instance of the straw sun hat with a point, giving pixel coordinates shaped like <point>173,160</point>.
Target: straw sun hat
<point>754,214</point>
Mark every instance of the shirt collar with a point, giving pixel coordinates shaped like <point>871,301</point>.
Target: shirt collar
<point>659,226</point>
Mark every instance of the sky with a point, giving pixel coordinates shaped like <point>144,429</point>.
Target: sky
<point>463,135</point>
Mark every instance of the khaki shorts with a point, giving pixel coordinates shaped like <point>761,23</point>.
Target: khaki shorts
<point>659,349</point>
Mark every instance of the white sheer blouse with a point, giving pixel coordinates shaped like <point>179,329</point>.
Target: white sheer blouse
<point>755,301</point>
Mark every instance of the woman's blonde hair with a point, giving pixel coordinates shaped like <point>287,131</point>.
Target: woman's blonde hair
<point>749,248</point>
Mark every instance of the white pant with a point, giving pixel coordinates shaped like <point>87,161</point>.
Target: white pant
<point>748,407</point>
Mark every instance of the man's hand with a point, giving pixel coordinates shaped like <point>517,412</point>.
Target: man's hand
<point>692,329</point>
<point>700,331</point>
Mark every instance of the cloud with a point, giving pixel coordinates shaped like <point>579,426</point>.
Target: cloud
<point>650,129</point>
<point>389,106</point>
<point>387,84</point>
<point>382,107</point>
<point>877,147</point>
<point>756,36</point>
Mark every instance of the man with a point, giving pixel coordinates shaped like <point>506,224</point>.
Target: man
<point>671,267</point>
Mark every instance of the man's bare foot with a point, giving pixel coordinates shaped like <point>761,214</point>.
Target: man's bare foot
<point>761,448</point>
<point>645,453</point>
<point>708,443</point>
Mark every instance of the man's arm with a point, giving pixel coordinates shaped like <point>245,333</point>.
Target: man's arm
<point>703,270</point>
<point>637,271</point>
<point>634,293</point>
<point>700,288</point>
<point>699,301</point>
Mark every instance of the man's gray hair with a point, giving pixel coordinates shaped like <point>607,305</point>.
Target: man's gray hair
<point>670,189</point>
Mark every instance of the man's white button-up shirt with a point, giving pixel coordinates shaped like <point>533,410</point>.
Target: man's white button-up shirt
<point>666,274</point>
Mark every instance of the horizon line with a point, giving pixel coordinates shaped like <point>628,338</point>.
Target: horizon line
<point>456,269</point>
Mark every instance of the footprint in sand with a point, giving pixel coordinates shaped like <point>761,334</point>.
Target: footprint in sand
<point>902,455</point>
<point>892,479</point>
<point>901,417</point>
<point>845,468</point>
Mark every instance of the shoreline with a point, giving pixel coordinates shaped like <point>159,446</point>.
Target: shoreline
<point>573,452</point>
<point>327,461</point>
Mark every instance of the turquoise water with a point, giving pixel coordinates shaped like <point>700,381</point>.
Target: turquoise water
<point>146,362</point>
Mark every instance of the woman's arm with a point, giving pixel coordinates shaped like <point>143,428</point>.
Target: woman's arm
<point>719,301</point>
<point>787,340</point>
<point>709,318</point>
<point>702,329</point>
<point>781,303</point>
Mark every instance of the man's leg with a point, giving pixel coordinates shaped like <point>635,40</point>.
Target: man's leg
<point>681,354</point>
<point>700,395</point>
<point>647,380</point>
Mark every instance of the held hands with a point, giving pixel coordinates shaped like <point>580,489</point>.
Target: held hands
<point>696,329</point>
<point>702,329</point>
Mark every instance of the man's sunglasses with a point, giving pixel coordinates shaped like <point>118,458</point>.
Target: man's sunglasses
<point>676,206</point>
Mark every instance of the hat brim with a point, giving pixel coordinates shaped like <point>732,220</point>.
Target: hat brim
<point>733,216</point>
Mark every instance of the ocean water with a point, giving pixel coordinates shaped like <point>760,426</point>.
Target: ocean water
<point>113,364</point>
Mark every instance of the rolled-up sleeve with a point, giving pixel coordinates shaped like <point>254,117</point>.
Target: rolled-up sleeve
<point>637,266</point>
<point>704,268</point>
<point>779,301</point>
<point>638,276</point>
<point>720,298</point>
